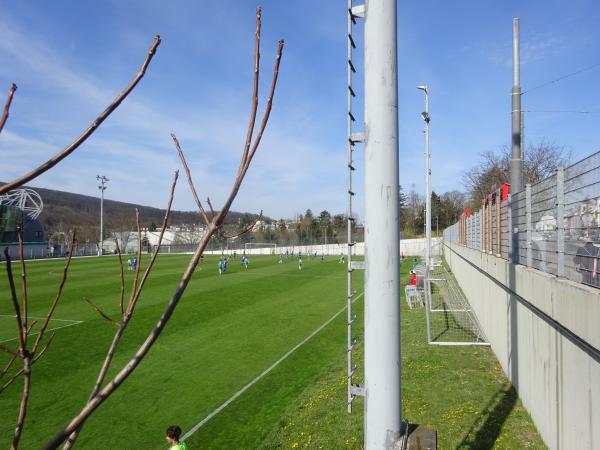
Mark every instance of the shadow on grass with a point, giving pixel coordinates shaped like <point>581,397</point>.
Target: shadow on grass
<point>486,429</point>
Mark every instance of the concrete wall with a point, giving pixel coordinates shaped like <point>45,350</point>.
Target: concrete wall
<point>410,247</point>
<point>545,331</point>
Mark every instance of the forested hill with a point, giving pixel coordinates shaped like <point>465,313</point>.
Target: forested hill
<point>65,210</point>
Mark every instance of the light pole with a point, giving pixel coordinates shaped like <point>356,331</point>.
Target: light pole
<point>426,119</point>
<point>427,156</point>
<point>102,186</point>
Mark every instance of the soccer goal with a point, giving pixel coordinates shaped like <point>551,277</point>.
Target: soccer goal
<point>449,317</point>
<point>260,248</point>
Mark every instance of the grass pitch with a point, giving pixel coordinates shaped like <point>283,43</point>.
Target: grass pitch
<point>227,330</point>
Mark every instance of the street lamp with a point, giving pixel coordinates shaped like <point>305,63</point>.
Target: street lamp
<point>102,186</point>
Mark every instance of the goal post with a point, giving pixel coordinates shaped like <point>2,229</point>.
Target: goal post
<point>260,248</point>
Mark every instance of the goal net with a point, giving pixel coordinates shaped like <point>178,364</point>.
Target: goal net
<point>450,319</point>
<point>260,248</point>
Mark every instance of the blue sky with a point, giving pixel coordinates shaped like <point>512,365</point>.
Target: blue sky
<point>70,59</point>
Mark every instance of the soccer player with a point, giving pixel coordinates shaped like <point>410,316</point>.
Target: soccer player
<point>299,262</point>
<point>134,262</point>
<point>173,434</point>
<point>220,266</point>
<point>342,258</point>
<point>129,264</point>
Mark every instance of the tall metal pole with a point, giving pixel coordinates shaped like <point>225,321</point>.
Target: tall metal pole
<point>102,180</point>
<point>427,160</point>
<point>516,162</point>
<point>382,246</point>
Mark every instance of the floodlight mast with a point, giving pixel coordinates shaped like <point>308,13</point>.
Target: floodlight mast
<point>427,165</point>
<point>102,186</point>
<point>382,246</point>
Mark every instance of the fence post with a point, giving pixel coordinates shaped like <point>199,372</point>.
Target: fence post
<point>528,223</point>
<point>560,224</point>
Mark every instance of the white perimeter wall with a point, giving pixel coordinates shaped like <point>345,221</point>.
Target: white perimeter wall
<point>545,331</point>
<point>410,247</point>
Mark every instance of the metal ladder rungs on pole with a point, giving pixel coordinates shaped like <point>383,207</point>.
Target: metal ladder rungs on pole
<point>354,12</point>
<point>351,66</point>
<point>351,41</point>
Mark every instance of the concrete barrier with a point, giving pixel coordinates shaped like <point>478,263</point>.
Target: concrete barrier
<point>545,332</point>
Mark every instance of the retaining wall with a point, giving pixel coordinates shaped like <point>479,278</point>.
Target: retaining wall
<point>545,331</point>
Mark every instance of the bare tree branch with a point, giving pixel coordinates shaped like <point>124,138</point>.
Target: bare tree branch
<point>8,365</point>
<point>75,144</point>
<point>24,400</point>
<point>23,283</point>
<point>8,350</point>
<point>11,92</point>
<point>101,313</point>
<point>56,297</point>
<point>254,91</point>
<point>13,296</point>
<point>125,317</point>
<point>245,230</point>
<point>138,257</point>
<point>212,210</point>
<point>142,351</point>
<point>122,293</point>
<point>189,177</point>
<point>269,104</point>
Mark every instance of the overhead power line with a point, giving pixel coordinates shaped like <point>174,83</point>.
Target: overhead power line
<point>556,80</point>
<point>559,111</point>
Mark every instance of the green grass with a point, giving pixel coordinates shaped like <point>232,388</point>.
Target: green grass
<point>225,332</point>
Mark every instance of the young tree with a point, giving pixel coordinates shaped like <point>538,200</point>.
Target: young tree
<point>541,161</point>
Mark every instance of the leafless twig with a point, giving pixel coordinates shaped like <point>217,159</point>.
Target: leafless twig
<point>95,124</point>
<point>122,294</point>
<point>245,230</point>
<point>9,98</point>
<point>189,177</point>
<point>212,228</point>
<point>101,313</point>
<point>125,316</point>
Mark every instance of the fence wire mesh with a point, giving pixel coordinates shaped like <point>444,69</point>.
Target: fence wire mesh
<point>555,224</point>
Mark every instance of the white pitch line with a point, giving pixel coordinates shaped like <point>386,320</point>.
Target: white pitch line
<point>43,318</point>
<point>77,322</point>
<point>265,372</point>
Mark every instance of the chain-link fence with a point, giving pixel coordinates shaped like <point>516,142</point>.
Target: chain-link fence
<point>555,224</point>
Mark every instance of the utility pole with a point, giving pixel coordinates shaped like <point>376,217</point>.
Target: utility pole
<point>382,283</point>
<point>516,162</point>
<point>102,186</point>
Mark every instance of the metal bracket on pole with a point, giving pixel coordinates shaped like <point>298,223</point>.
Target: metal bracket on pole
<point>357,11</point>
<point>357,389</point>
<point>357,137</point>
<point>560,221</point>
<point>357,265</point>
